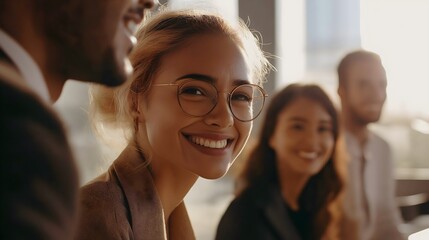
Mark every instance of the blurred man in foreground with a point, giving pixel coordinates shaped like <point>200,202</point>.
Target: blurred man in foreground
<point>42,44</point>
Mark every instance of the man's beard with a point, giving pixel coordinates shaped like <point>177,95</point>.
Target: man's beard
<point>69,56</point>
<point>363,119</point>
<point>114,73</point>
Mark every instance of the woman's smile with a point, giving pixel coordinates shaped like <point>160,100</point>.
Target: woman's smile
<point>311,155</point>
<point>211,144</point>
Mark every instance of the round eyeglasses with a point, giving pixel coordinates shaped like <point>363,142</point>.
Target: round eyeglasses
<point>198,98</point>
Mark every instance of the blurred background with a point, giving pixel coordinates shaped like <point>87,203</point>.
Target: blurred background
<point>307,38</point>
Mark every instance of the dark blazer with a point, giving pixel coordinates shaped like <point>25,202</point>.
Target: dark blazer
<point>258,213</point>
<point>38,175</point>
<point>123,204</point>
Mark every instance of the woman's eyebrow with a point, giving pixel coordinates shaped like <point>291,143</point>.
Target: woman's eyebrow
<point>296,119</point>
<point>210,79</point>
<point>197,76</point>
<point>326,121</point>
<point>301,119</point>
<point>240,82</point>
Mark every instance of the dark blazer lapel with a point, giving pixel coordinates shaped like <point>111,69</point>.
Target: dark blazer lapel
<point>147,218</point>
<point>4,57</point>
<point>8,70</point>
<point>275,211</point>
<point>10,74</point>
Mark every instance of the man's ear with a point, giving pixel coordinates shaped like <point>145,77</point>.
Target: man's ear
<point>341,92</point>
<point>271,141</point>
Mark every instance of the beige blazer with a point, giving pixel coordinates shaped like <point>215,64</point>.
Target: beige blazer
<point>123,204</point>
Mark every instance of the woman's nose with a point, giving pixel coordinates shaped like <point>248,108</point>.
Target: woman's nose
<point>312,139</point>
<point>221,115</point>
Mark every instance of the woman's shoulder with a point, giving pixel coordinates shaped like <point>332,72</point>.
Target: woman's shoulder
<point>104,189</point>
<point>249,200</point>
<point>246,216</point>
<point>258,193</point>
<point>103,205</point>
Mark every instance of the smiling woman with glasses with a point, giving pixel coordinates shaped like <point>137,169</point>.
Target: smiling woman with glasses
<point>188,109</point>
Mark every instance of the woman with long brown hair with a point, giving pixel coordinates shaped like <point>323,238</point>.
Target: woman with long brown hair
<point>290,184</point>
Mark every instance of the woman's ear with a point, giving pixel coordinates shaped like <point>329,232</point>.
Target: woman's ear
<point>137,116</point>
<point>135,112</point>
<point>135,107</point>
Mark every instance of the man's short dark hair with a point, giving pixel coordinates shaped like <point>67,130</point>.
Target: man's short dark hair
<point>352,57</point>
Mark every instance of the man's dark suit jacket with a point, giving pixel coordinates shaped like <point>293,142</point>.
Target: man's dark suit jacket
<point>39,179</point>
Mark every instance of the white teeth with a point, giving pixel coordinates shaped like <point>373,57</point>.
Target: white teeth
<point>132,26</point>
<point>128,66</point>
<point>133,40</point>
<point>310,155</point>
<point>209,142</point>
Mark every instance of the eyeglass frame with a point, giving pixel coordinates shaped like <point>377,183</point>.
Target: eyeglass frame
<point>179,85</point>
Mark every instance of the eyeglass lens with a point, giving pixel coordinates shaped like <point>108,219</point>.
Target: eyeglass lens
<point>198,98</point>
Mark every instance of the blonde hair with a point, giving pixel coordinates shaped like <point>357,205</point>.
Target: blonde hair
<point>164,33</point>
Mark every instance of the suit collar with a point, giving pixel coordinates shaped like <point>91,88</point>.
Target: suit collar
<point>26,65</point>
<point>5,58</point>
<point>10,74</point>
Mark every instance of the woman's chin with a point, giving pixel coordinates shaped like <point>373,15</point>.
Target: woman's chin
<point>214,174</point>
